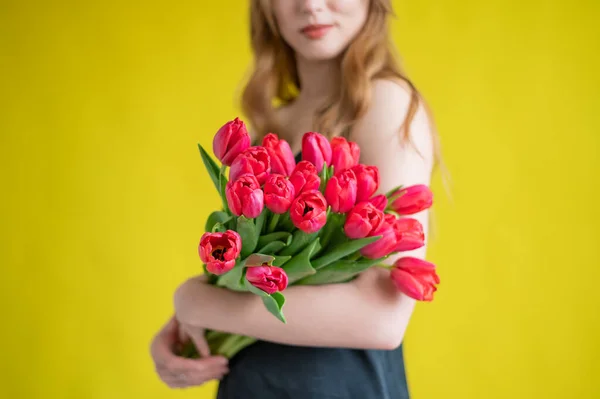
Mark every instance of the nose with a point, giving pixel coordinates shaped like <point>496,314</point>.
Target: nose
<point>312,6</point>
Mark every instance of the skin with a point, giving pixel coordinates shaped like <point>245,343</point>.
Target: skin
<point>367,313</point>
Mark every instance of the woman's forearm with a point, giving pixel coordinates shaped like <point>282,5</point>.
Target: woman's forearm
<point>365,313</point>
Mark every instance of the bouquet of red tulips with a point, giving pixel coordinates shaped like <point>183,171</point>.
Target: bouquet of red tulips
<point>313,222</point>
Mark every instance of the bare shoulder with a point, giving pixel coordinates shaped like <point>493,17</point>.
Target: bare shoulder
<point>389,104</point>
<point>384,119</point>
<point>379,132</point>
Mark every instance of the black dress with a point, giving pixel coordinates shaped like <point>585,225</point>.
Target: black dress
<point>266,370</point>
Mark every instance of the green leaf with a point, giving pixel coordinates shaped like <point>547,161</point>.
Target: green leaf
<point>333,227</point>
<point>247,230</point>
<point>233,278</point>
<point>300,266</point>
<point>342,250</point>
<point>273,247</point>
<point>392,191</point>
<point>211,166</point>
<point>324,175</point>
<point>285,223</point>
<point>259,260</point>
<point>278,236</point>
<point>300,240</point>
<point>281,260</point>
<point>338,272</point>
<point>274,304</point>
<point>223,187</point>
<point>273,222</point>
<point>219,227</point>
<point>216,217</point>
<point>260,221</point>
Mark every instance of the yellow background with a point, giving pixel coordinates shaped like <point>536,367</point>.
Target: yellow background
<point>104,195</point>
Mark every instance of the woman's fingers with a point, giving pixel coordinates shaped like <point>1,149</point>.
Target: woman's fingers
<point>201,344</point>
<point>181,372</point>
<point>197,336</point>
<point>193,373</point>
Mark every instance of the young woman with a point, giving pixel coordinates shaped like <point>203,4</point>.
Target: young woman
<point>330,67</point>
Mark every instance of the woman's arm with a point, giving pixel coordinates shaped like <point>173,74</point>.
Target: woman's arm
<point>365,313</point>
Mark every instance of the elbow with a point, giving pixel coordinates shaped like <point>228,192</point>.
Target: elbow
<point>389,330</point>
<point>389,338</point>
<point>184,294</point>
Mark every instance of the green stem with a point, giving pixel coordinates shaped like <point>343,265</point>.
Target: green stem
<point>273,223</point>
<point>229,345</point>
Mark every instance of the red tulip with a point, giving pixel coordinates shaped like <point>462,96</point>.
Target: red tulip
<point>362,220</point>
<point>279,193</point>
<point>412,199</point>
<point>305,177</point>
<point>308,211</point>
<point>282,157</point>
<point>270,279</point>
<point>220,250</point>
<point>384,245</point>
<point>316,149</point>
<point>415,277</point>
<point>409,233</point>
<point>368,181</point>
<point>253,160</point>
<point>340,191</point>
<point>244,196</point>
<point>379,201</point>
<point>344,154</point>
<point>231,139</point>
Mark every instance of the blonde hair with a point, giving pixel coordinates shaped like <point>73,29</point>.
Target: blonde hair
<point>274,78</point>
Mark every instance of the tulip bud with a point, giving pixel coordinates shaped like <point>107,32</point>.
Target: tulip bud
<point>362,220</point>
<point>368,181</point>
<point>340,191</point>
<point>308,211</point>
<point>231,139</point>
<point>244,196</point>
<point>270,279</point>
<point>316,149</point>
<point>379,201</point>
<point>415,277</point>
<point>384,245</point>
<point>279,193</point>
<point>412,199</point>
<point>254,160</point>
<point>282,157</point>
<point>305,177</point>
<point>409,233</point>
<point>219,251</point>
<point>344,154</point>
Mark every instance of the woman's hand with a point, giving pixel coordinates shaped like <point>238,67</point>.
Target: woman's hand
<point>180,372</point>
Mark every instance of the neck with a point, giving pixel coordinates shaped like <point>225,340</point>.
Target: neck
<point>318,79</point>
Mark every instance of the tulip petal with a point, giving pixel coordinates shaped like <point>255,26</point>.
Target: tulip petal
<point>408,284</point>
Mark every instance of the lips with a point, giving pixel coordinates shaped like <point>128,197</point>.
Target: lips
<point>316,31</point>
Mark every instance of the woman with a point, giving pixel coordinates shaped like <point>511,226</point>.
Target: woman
<point>329,64</point>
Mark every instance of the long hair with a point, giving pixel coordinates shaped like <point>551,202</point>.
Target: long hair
<point>274,79</point>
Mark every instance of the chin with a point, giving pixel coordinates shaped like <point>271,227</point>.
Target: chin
<point>320,53</point>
